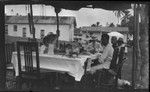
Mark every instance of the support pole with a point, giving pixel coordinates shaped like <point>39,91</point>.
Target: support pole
<point>134,47</point>
<point>30,25</point>
<point>138,56</point>
<point>31,17</point>
<point>2,48</point>
<point>57,10</point>
<point>57,31</point>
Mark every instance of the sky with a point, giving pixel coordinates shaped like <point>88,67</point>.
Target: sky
<point>84,16</point>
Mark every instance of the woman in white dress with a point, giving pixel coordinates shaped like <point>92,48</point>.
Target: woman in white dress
<point>49,43</point>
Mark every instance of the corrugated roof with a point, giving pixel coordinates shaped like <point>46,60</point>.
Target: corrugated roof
<point>105,29</point>
<point>40,20</point>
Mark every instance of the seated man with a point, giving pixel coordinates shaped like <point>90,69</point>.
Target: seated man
<point>114,41</point>
<point>122,44</point>
<point>105,57</point>
<point>101,60</point>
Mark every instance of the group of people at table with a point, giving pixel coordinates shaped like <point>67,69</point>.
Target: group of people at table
<point>100,59</point>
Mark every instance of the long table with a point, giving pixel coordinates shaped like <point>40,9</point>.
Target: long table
<point>58,63</point>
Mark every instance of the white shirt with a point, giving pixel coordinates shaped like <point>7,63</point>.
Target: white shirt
<point>51,49</point>
<point>107,53</point>
<point>42,48</point>
<point>97,47</point>
<point>105,58</point>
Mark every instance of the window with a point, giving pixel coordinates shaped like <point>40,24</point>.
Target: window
<point>42,34</point>
<point>24,32</point>
<point>15,27</point>
<point>6,29</point>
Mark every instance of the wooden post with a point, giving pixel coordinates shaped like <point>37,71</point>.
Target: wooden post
<point>2,47</point>
<point>57,31</point>
<point>133,56</point>
<point>138,56</point>
<point>57,10</point>
<point>135,39</point>
<point>32,22</point>
<point>30,26</point>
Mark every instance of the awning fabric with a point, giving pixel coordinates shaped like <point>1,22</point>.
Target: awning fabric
<point>107,5</point>
<point>76,5</point>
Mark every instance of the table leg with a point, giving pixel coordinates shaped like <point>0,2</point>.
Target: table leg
<point>57,86</point>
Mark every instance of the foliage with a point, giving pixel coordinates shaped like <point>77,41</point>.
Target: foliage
<point>127,20</point>
<point>111,25</point>
<point>125,13</point>
<point>118,14</point>
<point>93,25</point>
<point>118,25</point>
<point>97,24</point>
<point>129,24</point>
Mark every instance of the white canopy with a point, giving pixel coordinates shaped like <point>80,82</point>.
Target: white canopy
<point>117,34</point>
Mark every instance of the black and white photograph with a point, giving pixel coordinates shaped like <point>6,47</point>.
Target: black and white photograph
<point>50,45</point>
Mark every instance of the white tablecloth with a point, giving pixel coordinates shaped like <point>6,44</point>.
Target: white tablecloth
<point>73,66</point>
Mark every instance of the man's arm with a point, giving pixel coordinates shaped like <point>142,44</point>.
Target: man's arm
<point>105,65</point>
<point>105,59</point>
<point>103,55</point>
<point>95,56</point>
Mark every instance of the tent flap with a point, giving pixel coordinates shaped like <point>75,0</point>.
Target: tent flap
<point>76,5</point>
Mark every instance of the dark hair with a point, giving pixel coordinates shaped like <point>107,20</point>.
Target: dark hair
<point>113,39</point>
<point>105,39</point>
<point>120,41</point>
<point>49,38</point>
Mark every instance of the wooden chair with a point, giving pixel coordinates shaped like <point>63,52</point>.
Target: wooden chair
<point>28,73</point>
<point>114,73</point>
<point>10,73</point>
<point>9,48</point>
<point>106,75</point>
<point>121,61</point>
<point>119,65</point>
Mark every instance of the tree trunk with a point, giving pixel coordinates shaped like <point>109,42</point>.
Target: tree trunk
<point>144,48</point>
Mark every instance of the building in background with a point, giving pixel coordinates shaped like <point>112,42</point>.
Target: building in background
<point>18,26</point>
<point>85,33</point>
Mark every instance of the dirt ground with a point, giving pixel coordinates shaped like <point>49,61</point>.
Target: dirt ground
<point>127,67</point>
